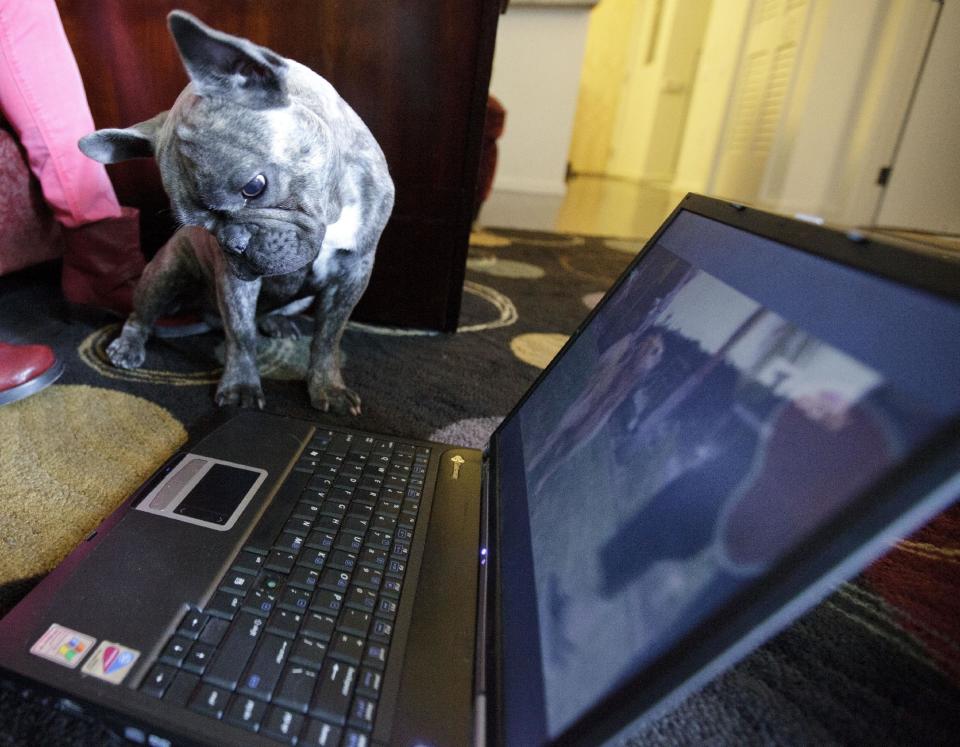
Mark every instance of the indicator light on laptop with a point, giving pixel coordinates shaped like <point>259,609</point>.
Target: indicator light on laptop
<point>483,556</point>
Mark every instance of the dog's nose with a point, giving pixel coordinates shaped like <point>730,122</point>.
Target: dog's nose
<point>234,238</point>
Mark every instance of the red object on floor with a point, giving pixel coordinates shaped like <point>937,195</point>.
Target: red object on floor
<point>25,369</point>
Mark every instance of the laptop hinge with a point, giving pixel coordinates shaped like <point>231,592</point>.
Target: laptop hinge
<point>480,658</point>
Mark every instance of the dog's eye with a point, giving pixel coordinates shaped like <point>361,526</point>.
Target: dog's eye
<point>254,187</point>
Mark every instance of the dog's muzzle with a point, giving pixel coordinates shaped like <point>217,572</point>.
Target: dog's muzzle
<point>234,238</point>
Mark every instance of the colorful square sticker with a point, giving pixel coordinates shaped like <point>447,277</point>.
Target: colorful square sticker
<point>111,662</point>
<point>62,645</point>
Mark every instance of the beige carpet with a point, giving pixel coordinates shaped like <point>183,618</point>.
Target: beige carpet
<point>68,457</point>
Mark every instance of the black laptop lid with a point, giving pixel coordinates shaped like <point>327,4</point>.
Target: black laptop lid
<point>735,420</point>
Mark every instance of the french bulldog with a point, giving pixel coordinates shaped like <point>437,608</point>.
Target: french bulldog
<point>282,193</point>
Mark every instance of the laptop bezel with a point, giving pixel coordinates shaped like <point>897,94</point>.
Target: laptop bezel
<point>837,550</point>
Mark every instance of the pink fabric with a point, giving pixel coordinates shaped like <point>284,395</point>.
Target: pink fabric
<point>42,96</point>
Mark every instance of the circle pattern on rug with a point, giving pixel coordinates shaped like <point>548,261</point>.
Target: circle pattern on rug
<point>592,299</point>
<point>71,454</point>
<point>482,237</point>
<point>538,348</point>
<point>506,268</point>
<point>627,246</point>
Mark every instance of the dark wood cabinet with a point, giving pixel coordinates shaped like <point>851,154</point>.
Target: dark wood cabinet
<point>416,71</point>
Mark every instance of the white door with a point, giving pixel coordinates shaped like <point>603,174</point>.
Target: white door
<point>923,191</point>
<point>764,80</point>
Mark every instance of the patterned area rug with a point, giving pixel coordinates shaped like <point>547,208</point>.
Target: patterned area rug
<point>877,662</point>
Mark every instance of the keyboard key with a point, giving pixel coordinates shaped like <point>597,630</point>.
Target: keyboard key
<point>344,561</point>
<point>382,631</point>
<point>327,602</point>
<point>294,599</point>
<point>283,725</point>
<point>349,542</point>
<point>329,524</point>
<point>296,688</point>
<point>346,648</point>
<point>379,540</point>
<point>375,656</point>
<point>236,648</point>
<point>259,602</point>
<point>175,651</point>
<point>371,557</point>
<point>300,527</point>
<point>210,701</point>
<point>383,523</point>
<point>387,608</point>
<point>306,509</point>
<point>360,510</point>
<point>319,626</point>
<point>335,509</point>
<point>181,689</point>
<point>354,622</point>
<point>334,580</point>
<point>214,631</point>
<point>313,559</point>
<point>192,624</point>
<point>237,582</point>
<point>280,561</point>
<point>224,605</point>
<point>284,623</point>
<point>262,675</point>
<point>158,680</point>
<point>355,525</point>
<point>303,578</point>
<point>308,652</point>
<point>198,658</point>
<point>249,562</point>
<point>320,734</point>
<point>246,712</point>
<point>402,534</point>
<point>354,738</point>
<point>331,700</point>
<point>289,543</point>
<point>391,588</point>
<point>362,713</point>
<point>396,568</point>
<point>368,578</point>
<point>361,599</point>
<point>369,683</point>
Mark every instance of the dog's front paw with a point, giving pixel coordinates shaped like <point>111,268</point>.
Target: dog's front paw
<point>244,395</point>
<point>336,399</point>
<point>126,353</point>
<point>277,325</point>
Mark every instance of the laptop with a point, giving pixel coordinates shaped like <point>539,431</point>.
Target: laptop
<point>757,408</point>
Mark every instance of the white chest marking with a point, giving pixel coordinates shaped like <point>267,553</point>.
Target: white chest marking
<point>343,233</point>
<point>339,235</point>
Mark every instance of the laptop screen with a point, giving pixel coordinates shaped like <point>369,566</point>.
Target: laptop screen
<point>731,395</point>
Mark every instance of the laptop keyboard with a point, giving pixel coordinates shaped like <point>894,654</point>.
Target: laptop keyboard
<point>294,643</point>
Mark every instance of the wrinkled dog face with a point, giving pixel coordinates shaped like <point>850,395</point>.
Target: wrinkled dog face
<point>237,155</point>
<point>237,172</point>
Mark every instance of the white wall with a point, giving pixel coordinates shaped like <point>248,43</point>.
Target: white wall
<point>711,93</point>
<point>536,74</point>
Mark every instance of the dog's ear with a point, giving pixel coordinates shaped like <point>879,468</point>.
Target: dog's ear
<point>223,65</point>
<point>113,145</point>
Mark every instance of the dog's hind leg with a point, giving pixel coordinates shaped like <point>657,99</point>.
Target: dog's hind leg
<point>171,274</point>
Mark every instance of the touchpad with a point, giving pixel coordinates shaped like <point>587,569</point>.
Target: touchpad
<point>204,491</point>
